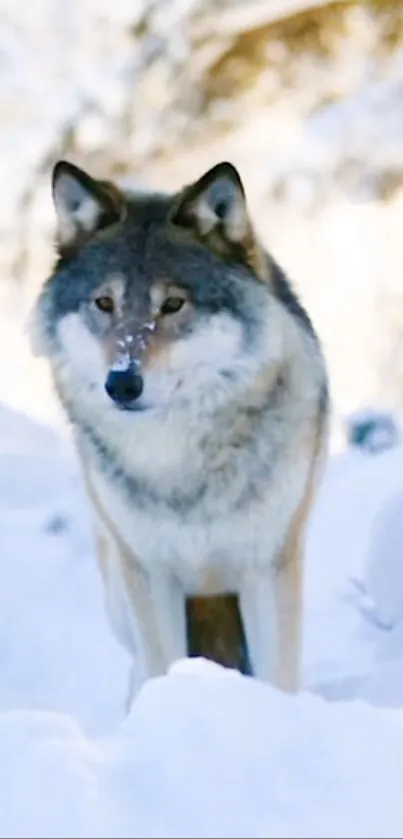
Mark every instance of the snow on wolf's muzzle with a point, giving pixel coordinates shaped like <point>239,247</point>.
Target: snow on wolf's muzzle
<point>125,383</point>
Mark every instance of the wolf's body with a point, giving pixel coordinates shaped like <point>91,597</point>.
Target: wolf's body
<point>197,392</point>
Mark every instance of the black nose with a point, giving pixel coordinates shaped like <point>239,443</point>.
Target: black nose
<point>124,386</point>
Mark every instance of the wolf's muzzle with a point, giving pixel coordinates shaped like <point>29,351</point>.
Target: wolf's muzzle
<point>124,386</point>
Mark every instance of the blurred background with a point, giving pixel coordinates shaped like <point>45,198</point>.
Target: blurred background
<point>305,98</point>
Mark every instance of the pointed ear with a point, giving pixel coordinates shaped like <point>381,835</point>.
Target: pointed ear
<point>215,210</point>
<point>217,200</point>
<point>83,205</point>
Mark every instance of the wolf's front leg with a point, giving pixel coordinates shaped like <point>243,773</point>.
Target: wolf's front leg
<point>271,605</point>
<point>146,611</point>
<point>270,602</point>
<point>289,582</point>
<point>289,600</point>
<point>161,627</point>
<point>258,605</point>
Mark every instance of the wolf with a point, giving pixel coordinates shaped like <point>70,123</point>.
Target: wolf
<point>197,391</point>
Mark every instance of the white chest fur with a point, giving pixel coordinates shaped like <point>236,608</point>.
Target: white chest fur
<point>203,554</point>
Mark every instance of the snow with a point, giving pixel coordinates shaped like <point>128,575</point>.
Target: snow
<point>204,752</point>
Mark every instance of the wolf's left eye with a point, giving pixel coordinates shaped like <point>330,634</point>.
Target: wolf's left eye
<point>172,305</point>
<point>104,303</point>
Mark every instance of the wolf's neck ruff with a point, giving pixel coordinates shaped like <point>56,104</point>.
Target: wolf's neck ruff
<point>188,466</point>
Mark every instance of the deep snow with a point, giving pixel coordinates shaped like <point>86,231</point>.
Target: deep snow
<point>204,752</point>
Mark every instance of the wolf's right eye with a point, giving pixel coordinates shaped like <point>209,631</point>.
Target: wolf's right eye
<point>172,305</point>
<point>104,303</point>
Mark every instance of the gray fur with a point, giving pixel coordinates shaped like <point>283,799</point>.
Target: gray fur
<point>214,467</point>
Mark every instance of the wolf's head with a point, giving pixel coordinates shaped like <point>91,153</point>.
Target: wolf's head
<point>155,300</point>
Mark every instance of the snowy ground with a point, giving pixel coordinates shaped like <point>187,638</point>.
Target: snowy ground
<point>204,753</point>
